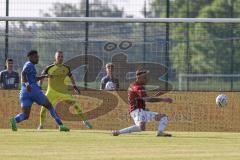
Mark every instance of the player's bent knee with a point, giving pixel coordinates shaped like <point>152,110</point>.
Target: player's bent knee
<point>47,105</point>
<point>158,117</point>
<point>26,116</point>
<point>142,126</point>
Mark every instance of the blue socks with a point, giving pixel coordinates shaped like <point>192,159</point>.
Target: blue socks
<point>54,115</point>
<point>20,117</point>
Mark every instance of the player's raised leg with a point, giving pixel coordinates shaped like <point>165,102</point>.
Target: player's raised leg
<point>81,115</point>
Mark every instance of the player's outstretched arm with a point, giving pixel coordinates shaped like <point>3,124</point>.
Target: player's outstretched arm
<point>159,93</point>
<point>76,89</point>
<point>157,99</point>
<point>39,78</point>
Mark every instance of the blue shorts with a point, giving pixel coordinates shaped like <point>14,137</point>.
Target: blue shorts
<point>36,95</point>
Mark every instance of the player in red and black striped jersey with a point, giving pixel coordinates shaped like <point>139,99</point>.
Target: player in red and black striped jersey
<point>135,92</point>
<point>137,97</point>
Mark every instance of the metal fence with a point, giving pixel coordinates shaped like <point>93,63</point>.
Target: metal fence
<point>183,48</point>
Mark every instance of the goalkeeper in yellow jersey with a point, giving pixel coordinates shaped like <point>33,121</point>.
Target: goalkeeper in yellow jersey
<point>57,90</point>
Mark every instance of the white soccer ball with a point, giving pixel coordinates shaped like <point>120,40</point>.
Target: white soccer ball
<point>222,100</point>
<point>110,86</point>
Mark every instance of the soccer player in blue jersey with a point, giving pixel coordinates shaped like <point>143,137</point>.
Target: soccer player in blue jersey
<point>31,92</point>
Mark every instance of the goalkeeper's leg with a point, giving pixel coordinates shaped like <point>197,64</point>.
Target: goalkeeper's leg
<point>43,115</point>
<point>81,115</point>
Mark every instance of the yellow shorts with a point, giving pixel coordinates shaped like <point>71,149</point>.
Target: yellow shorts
<point>56,97</point>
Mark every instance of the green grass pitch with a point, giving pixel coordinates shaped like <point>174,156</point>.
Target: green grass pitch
<point>29,144</point>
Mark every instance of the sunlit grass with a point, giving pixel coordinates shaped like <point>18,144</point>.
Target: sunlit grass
<point>51,145</point>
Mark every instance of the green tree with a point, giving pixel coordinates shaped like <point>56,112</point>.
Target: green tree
<point>209,45</point>
<point>178,8</point>
<point>216,41</point>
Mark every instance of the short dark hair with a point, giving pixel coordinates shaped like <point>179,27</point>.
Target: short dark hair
<point>140,72</point>
<point>32,52</point>
<point>9,60</point>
